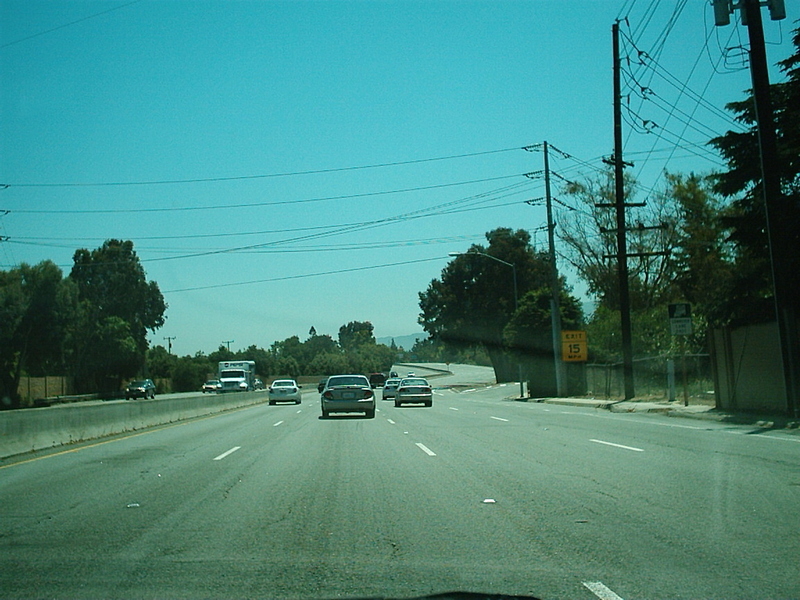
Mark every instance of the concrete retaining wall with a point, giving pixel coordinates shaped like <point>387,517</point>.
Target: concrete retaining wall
<point>30,429</point>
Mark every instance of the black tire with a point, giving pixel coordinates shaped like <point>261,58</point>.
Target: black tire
<point>297,401</point>
<point>370,414</point>
<point>396,404</point>
<point>429,404</point>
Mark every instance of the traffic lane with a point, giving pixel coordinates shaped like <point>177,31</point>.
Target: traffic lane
<point>75,521</point>
<point>763,443</point>
<point>660,510</point>
<point>334,507</point>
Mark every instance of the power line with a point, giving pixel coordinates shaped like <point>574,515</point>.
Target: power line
<point>258,176</point>
<point>70,24</point>
<point>303,276</point>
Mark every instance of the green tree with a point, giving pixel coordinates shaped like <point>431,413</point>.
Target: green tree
<point>751,298</point>
<point>189,373</point>
<point>112,291</point>
<point>35,312</point>
<point>530,334</point>
<point>356,334</point>
<point>160,363</point>
<point>473,301</point>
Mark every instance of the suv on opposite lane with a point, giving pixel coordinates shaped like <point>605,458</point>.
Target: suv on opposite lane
<point>348,393</point>
<point>141,388</point>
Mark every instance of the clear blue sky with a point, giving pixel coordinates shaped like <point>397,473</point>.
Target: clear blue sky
<point>244,137</point>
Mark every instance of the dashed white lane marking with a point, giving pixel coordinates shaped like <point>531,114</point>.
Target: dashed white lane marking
<point>617,445</point>
<point>425,449</point>
<point>499,419</point>
<point>278,423</point>
<point>452,408</point>
<point>601,591</point>
<point>228,453</point>
<point>390,421</point>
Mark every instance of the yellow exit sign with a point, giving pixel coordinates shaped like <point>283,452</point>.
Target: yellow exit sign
<point>573,346</point>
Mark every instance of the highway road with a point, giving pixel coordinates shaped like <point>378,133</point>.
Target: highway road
<point>478,493</point>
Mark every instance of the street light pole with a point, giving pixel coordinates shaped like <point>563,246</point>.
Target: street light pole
<point>516,301</point>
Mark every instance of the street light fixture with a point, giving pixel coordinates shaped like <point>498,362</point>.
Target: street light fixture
<point>516,299</point>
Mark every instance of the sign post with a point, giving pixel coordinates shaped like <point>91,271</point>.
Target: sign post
<point>680,323</point>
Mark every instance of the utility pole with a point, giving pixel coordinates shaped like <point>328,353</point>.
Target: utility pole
<point>555,310</point>
<point>228,344</point>
<point>622,244</point>
<point>169,343</point>
<point>782,247</point>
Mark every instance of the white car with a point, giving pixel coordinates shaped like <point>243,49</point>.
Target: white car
<point>284,390</point>
<point>348,393</point>
<point>414,390</point>
<point>390,388</point>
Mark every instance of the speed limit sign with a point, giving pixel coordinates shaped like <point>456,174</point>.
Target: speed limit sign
<point>573,346</point>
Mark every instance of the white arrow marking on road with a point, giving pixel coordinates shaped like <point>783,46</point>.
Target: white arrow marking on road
<point>617,445</point>
<point>601,591</point>
<point>425,449</point>
<point>499,419</point>
<point>228,453</point>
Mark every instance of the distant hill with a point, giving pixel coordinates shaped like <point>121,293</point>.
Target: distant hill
<point>406,342</point>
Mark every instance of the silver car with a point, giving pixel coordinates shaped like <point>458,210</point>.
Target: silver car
<point>284,390</point>
<point>414,390</point>
<point>348,393</point>
<point>390,388</point>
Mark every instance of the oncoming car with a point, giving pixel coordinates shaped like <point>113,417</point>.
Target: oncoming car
<point>284,390</point>
<point>348,393</point>
<point>414,390</point>
<point>141,388</point>
<point>212,386</point>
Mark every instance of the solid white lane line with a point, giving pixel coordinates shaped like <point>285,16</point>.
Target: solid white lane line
<point>228,453</point>
<point>617,445</point>
<point>499,419</point>
<point>425,449</point>
<point>278,423</point>
<point>601,591</point>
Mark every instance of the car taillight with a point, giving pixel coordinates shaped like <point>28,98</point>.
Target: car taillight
<point>368,394</point>
<point>328,395</point>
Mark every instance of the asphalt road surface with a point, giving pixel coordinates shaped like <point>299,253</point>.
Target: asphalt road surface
<point>478,493</point>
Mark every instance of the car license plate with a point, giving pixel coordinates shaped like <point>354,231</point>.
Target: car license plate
<point>348,395</point>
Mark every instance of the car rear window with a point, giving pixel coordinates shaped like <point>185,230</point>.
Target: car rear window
<point>336,381</point>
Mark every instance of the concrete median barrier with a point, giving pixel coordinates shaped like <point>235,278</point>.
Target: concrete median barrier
<point>26,430</point>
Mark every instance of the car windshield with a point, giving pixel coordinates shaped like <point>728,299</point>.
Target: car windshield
<point>232,374</point>
<point>569,228</point>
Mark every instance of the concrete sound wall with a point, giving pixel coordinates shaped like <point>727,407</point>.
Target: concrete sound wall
<point>30,429</point>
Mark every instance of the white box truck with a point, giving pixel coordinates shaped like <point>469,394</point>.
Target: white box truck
<point>237,375</point>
